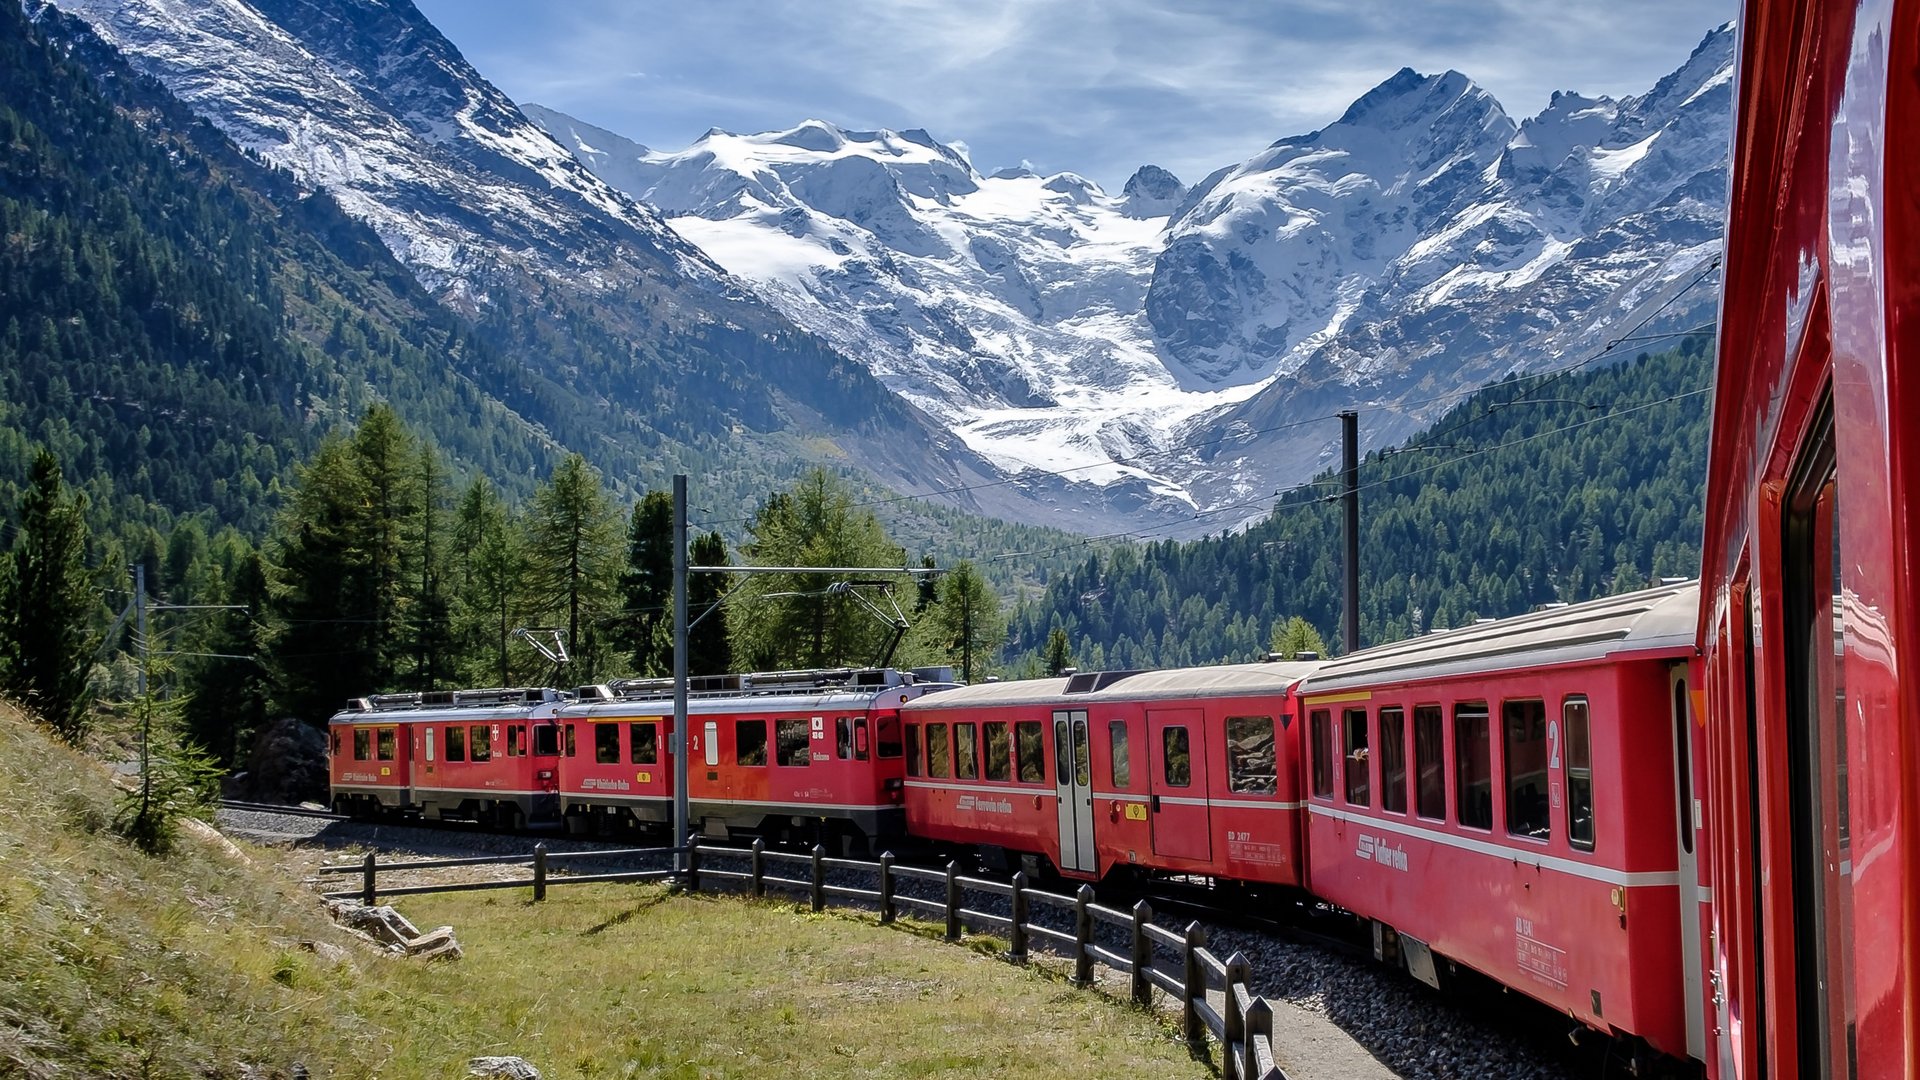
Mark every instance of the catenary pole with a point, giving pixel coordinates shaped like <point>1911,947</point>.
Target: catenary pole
<point>679,742</point>
<point>1350,453</point>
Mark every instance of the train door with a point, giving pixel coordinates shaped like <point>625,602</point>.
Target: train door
<point>1073,784</point>
<point>1816,737</point>
<point>1177,784</point>
<point>1689,818</point>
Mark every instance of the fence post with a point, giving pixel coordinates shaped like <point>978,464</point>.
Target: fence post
<point>1142,954</point>
<point>819,878</point>
<point>368,893</point>
<point>539,872</point>
<point>693,862</point>
<point>1196,989</point>
<point>953,901</point>
<point>1082,937</point>
<point>1259,1023</point>
<point>886,888</point>
<point>759,868</point>
<point>1017,933</point>
<point>1235,1020</point>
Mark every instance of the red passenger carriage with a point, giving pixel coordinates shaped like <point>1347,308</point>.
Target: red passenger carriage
<point>803,754</point>
<point>1812,550</point>
<point>1517,797</point>
<point>1191,771</point>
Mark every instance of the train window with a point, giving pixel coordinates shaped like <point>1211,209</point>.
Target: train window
<point>1393,760</point>
<point>1030,746</point>
<point>546,739</point>
<point>966,751</point>
<point>1176,759</point>
<point>1082,756</point>
<point>643,744</point>
<point>913,749</point>
<point>383,744</point>
<point>1320,724</point>
<point>570,743</point>
<point>791,742</point>
<point>1525,725</point>
<point>362,744</point>
<point>606,744</point>
<point>1472,765</point>
<point>999,751</point>
<point>1358,765</point>
<point>1579,775</point>
<point>456,743</point>
<point>860,738</point>
<point>936,749</point>
<point>710,740</point>
<point>1250,763</point>
<point>750,742</point>
<point>886,735</point>
<point>843,737</point>
<point>479,743</point>
<point>1118,754</point>
<point>334,735</point>
<point>1429,763</point>
<point>514,747</point>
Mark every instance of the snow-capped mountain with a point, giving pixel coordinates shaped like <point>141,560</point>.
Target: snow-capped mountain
<point>1013,305</point>
<point>1423,242</point>
<point>366,100</point>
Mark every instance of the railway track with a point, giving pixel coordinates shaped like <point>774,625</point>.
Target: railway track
<point>281,808</point>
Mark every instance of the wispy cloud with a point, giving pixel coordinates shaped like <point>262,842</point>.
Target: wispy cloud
<point>1092,86</point>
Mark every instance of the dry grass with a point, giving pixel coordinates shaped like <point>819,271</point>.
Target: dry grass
<point>117,965</point>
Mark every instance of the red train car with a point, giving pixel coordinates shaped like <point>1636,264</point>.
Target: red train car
<point>479,755</point>
<point>812,755</point>
<point>1190,771</point>
<point>1811,614</point>
<point>1519,797</point>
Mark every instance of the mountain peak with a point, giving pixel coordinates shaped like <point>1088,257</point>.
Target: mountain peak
<point>1407,96</point>
<point>1152,192</point>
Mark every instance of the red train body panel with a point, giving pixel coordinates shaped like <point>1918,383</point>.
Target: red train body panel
<point>1812,550</point>
<point>1189,771</point>
<point>1507,796</point>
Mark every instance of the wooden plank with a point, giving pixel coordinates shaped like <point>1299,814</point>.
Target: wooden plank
<point>1002,921</point>
<point>1060,936</point>
<point>1166,982</point>
<point>1216,1024</point>
<point>999,888</point>
<point>1117,961</point>
<point>1166,937</point>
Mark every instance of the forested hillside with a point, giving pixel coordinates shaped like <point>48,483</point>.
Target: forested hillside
<point>1530,492</point>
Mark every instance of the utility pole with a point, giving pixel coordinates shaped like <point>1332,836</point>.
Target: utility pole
<point>677,745</point>
<point>966,639</point>
<point>1350,452</point>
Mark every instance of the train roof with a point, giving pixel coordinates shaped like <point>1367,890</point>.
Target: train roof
<point>1651,621</point>
<point>1219,680</point>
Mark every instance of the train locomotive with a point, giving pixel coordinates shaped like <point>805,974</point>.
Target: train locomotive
<point>814,755</point>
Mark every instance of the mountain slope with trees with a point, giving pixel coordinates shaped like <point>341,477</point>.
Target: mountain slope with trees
<point>1532,491</point>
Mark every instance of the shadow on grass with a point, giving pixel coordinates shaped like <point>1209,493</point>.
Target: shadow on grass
<point>626,916</point>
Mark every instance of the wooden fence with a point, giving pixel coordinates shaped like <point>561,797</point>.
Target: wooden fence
<point>1243,1025</point>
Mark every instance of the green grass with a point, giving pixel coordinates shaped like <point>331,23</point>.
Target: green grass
<point>119,965</point>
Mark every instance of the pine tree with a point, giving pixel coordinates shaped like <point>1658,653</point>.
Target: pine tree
<point>708,650</point>
<point>1059,651</point>
<point>47,605</point>
<point>1293,636</point>
<point>646,585</point>
<point>231,692</point>
<point>802,620</point>
<point>572,556</point>
<point>967,620</point>
<point>491,599</point>
<point>330,641</point>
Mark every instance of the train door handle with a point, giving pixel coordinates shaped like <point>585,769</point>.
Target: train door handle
<point>1156,803</point>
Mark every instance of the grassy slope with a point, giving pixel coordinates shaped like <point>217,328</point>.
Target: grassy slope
<point>116,965</point>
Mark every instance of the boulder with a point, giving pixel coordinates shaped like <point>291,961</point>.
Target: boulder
<point>288,764</point>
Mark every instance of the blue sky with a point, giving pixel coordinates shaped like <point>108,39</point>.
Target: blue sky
<point>1096,87</point>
